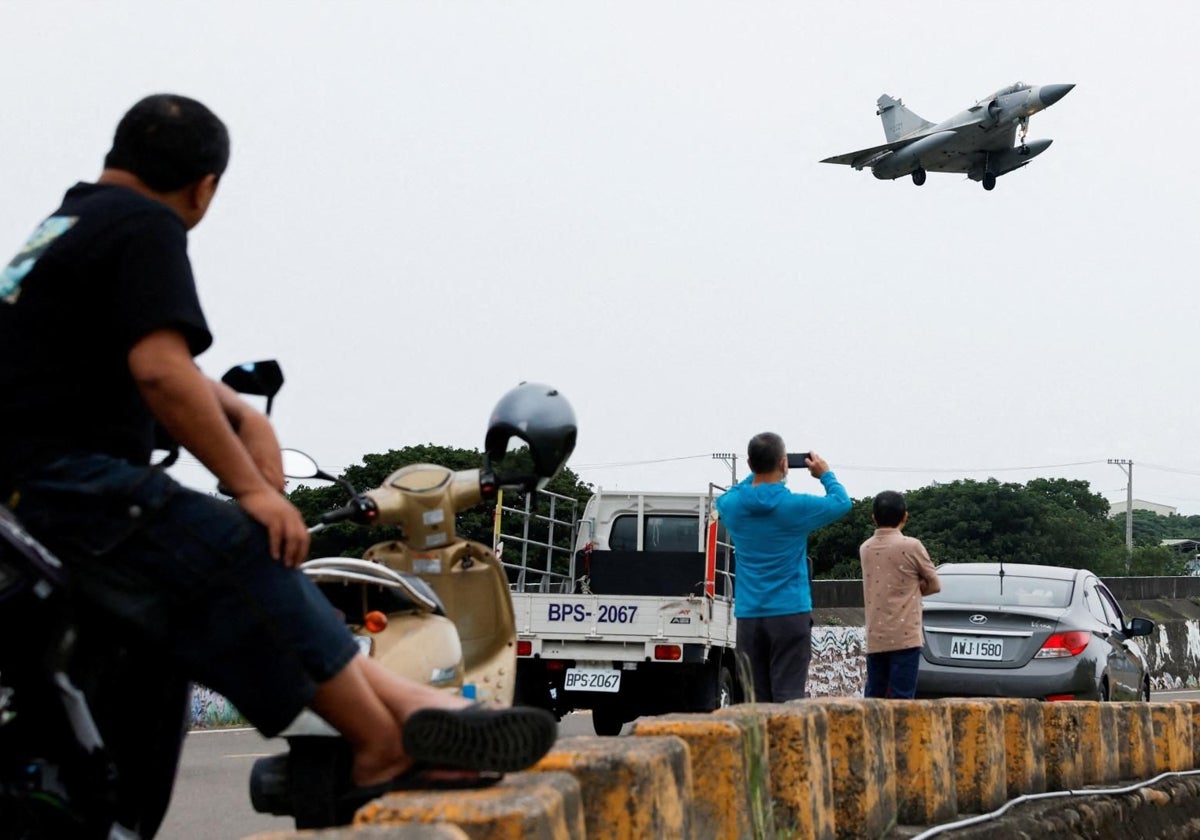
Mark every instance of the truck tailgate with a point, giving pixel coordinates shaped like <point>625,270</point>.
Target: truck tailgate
<point>610,616</point>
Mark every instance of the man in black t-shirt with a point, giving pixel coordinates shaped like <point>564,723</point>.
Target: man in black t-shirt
<point>99,323</point>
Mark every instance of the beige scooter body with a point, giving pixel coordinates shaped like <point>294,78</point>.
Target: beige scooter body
<point>472,648</point>
<point>467,576</point>
<point>473,587</point>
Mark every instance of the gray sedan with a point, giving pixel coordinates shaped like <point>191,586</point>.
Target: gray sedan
<point>1013,630</point>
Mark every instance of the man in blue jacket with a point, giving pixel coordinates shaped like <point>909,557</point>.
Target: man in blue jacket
<point>769,527</point>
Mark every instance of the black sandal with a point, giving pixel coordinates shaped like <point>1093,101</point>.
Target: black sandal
<point>480,737</point>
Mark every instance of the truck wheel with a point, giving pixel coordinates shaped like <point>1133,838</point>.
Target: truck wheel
<point>712,687</point>
<point>725,688</point>
<point>607,721</point>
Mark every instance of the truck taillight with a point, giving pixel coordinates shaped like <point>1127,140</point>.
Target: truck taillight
<point>669,653</point>
<point>524,647</point>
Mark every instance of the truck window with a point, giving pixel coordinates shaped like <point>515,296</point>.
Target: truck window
<point>663,533</point>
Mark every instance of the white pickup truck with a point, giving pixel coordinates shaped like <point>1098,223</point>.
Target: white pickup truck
<point>636,618</point>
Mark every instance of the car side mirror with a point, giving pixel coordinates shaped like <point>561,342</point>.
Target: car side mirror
<point>1140,627</point>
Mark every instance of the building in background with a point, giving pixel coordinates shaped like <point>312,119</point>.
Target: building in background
<point>1118,508</point>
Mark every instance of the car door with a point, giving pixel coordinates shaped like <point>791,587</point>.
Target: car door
<point>1124,671</point>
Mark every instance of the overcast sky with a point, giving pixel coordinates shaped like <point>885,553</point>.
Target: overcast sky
<point>430,202</point>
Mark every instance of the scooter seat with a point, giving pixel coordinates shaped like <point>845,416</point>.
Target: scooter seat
<point>407,592</point>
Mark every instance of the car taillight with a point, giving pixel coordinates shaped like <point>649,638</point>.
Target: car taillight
<point>524,647</point>
<point>375,621</point>
<point>1071,643</point>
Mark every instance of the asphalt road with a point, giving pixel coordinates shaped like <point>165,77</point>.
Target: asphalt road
<point>212,799</point>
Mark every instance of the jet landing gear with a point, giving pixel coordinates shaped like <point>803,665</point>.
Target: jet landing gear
<point>989,177</point>
<point>918,177</point>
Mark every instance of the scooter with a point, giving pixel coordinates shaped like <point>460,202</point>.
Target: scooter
<point>432,606</point>
<point>91,722</point>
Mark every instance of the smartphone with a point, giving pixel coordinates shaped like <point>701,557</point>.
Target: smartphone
<point>796,460</point>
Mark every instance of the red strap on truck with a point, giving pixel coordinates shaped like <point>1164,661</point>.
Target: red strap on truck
<point>710,560</point>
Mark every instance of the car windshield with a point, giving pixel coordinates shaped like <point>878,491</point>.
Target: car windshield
<point>1009,591</point>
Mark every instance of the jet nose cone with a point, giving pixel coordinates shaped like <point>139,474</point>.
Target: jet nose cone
<point>1049,94</point>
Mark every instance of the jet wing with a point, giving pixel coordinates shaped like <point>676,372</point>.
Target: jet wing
<point>865,157</point>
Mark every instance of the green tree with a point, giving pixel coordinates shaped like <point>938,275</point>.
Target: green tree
<point>1153,560</point>
<point>1056,522</point>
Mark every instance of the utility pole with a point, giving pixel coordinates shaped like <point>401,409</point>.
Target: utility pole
<point>730,459</point>
<point>1127,467</point>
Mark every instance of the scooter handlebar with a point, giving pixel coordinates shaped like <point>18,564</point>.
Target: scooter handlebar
<point>360,509</point>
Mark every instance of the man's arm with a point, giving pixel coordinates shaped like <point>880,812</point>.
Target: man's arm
<point>819,511</point>
<point>186,404</point>
<point>254,430</point>
<point>929,580</point>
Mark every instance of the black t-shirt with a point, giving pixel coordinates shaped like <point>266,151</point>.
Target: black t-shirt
<point>109,267</point>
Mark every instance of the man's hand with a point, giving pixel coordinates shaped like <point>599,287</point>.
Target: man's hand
<point>285,526</point>
<point>255,432</point>
<point>816,465</point>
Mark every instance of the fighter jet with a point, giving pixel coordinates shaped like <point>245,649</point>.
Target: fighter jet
<point>978,142</point>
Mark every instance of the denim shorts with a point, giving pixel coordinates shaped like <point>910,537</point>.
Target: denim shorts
<point>192,575</point>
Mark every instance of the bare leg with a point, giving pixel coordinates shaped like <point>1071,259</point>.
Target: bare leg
<point>350,704</point>
<point>371,706</point>
<point>403,696</point>
<point>368,704</point>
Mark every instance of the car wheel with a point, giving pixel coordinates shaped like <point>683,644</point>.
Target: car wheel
<point>1104,690</point>
<point>1146,690</point>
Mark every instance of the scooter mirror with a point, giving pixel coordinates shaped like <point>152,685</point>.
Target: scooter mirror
<point>261,379</point>
<point>298,465</point>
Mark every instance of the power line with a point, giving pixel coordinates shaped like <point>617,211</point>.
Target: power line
<point>967,469</point>
<point>602,466</point>
<point>187,460</point>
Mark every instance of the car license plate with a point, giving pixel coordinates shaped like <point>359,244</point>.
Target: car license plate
<point>592,679</point>
<point>976,647</point>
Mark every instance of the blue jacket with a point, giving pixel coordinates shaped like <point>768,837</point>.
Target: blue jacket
<point>769,527</point>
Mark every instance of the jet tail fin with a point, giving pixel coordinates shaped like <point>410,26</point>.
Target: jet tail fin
<point>898,121</point>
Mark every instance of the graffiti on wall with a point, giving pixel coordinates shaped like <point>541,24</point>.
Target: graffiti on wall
<point>211,710</point>
<point>839,662</point>
<point>1173,654</point>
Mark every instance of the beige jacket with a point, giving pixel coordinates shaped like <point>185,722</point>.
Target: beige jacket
<point>897,571</point>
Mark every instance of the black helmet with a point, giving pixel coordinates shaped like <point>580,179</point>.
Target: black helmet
<point>540,416</point>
